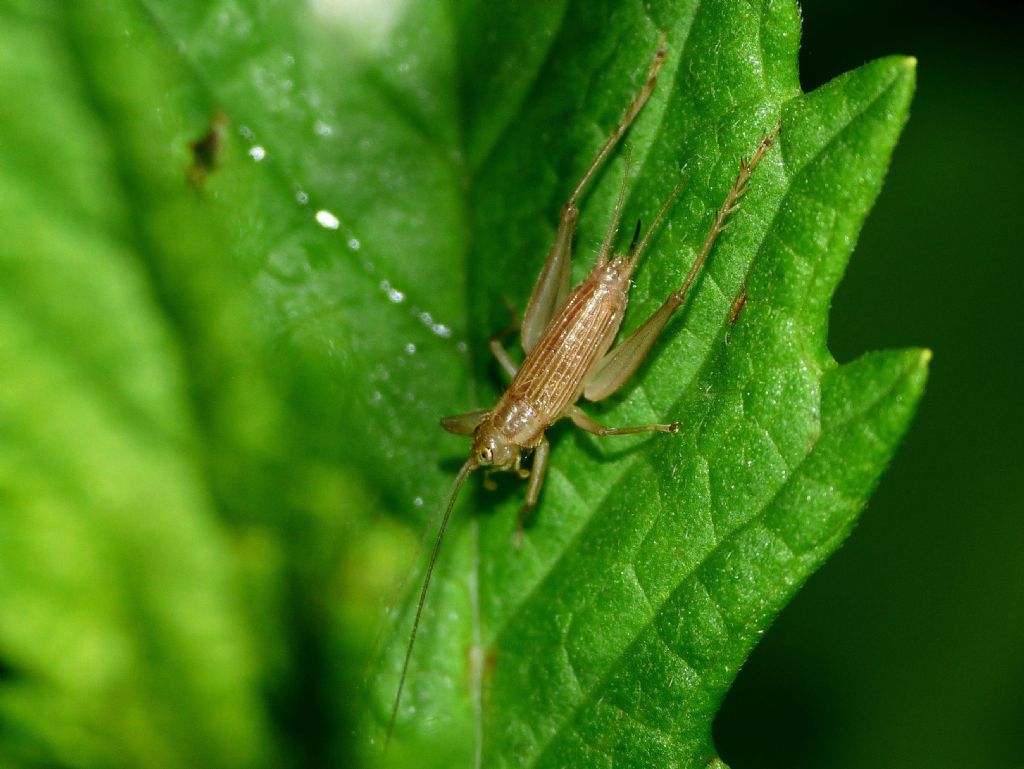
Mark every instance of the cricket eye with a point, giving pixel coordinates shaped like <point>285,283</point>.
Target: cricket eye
<point>485,455</point>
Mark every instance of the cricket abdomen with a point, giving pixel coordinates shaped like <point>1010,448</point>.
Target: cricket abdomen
<point>551,377</point>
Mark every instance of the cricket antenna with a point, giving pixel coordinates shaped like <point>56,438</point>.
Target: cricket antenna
<point>453,494</point>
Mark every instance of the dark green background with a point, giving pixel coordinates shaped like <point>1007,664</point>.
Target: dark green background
<point>906,649</point>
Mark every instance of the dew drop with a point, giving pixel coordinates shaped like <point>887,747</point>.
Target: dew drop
<point>327,220</point>
<point>257,152</point>
<point>393,293</point>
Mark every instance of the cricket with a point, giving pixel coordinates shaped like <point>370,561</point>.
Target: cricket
<point>567,339</point>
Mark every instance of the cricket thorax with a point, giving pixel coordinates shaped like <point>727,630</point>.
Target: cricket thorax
<point>514,418</point>
<point>517,421</point>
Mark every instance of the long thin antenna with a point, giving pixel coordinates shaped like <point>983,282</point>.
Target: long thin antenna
<point>468,467</point>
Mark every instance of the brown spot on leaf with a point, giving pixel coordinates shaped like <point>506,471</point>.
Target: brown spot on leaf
<point>206,150</point>
<point>737,306</point>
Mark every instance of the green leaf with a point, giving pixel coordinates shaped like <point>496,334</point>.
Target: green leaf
<point>224,368</point>
<point>651,570</point>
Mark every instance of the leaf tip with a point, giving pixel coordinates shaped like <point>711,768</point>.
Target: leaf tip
<point>924,359</point>
<point>915,371</point>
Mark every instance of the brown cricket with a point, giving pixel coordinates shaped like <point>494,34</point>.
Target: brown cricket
<point>567,339</point>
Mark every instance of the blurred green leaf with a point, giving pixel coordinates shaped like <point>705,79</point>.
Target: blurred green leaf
<point>122,634</point>
<point>225,357</point>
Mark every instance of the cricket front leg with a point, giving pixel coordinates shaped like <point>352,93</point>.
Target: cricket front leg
<point>538,470</point>
<point>552,284</point>
<point>465,424</point>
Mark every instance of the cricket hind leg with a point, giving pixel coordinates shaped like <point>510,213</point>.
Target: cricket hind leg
<point>552,284</point>
<point>619,364</point>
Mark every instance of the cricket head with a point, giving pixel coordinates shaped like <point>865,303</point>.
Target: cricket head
<point>492,449</point>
